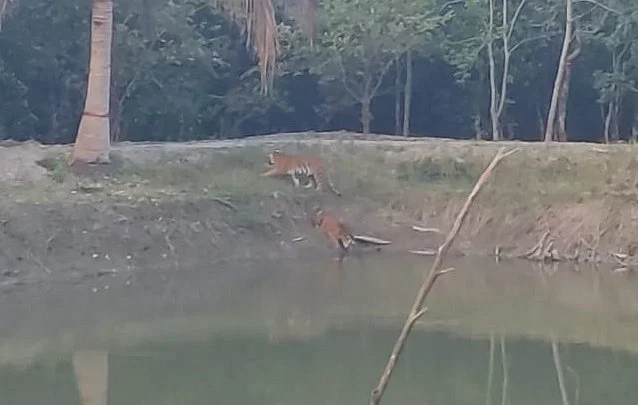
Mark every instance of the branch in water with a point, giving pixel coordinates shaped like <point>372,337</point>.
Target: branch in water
<point>435,271</point>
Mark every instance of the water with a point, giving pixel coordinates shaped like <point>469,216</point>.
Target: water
<point>313,333</point>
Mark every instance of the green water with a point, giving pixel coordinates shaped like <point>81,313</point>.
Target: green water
<point>311,333</point>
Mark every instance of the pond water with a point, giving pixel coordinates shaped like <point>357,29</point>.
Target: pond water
<point>316,333</point>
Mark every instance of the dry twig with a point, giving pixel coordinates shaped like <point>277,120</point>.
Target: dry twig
<point>225,203</point>
<point>371,240</point>
<point>424,252</point>
<point>417,308</point>
<point>426,230</point>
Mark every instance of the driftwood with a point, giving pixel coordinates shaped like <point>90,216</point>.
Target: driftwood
<point>424,252</point>
<point>370,239</point>
<point>545,250</point>
<point>624,262</point>
<point>425,230</point>
<point>435,271</point>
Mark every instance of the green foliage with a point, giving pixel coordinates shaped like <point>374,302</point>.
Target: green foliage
<point>359,40</point>
<point>181,70</point>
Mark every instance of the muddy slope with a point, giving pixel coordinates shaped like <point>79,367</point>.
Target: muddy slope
<point>168,205</point>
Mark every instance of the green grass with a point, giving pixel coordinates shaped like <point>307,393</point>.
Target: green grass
<point>383,173</point>
<point>231,175</point>
<point>57,167</point>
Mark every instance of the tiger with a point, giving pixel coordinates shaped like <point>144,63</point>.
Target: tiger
<point>311,166</point>
<point>334,229</point>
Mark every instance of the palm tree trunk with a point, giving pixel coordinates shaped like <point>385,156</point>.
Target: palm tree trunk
<point>91,369</point>
<point>93,142</point>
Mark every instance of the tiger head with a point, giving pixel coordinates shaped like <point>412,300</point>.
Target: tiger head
<point>272,156</point>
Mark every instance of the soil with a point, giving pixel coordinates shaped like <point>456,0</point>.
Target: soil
<point>73,226</point>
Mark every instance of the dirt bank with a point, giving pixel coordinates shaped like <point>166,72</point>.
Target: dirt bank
<point>180,205</point>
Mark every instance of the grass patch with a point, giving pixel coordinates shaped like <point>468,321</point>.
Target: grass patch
<point>445,171</point>
<point>57,167</point>
<point>384,173</point>
<point>232,175</point>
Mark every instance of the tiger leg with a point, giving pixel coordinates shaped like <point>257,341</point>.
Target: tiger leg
<point>270,173</point>
<point>320,180</point>
<point>345,243</point>
<point>295,179</point>
<point>342,255</point>
<point>312,182</point>
<point>332,186</point>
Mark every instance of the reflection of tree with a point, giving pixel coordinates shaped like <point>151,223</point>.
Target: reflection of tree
<point>490,371</point>
<point>559,372</point>
<point>91,375</point>
<point>576,377</point>
<point>505,372</point>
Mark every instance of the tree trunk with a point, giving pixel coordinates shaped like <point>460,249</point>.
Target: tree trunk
<point>560,74</point>
<point>564,91</point>
<point>92,144</point>
<point>397,95</point>
<point>496,136</point>
<point>407,94</point>
<point>561,119</point>
<point>606,129</point>
<point>615,134</point>
<point>634,124</point>
<point>366,115</point>
<point>541,122</point>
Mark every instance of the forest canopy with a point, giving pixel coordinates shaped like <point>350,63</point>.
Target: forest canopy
<point>181,69</point>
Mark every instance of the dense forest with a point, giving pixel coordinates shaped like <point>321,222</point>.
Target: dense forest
<point>182,69</point>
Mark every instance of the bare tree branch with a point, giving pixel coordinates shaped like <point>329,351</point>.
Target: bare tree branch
<point>531,39</point>
<point>601,5</point>
<point>384,70</point>
<point>344,78</point>
<point>513,22</point>
<point>417,308</point>
<point>5,8</point>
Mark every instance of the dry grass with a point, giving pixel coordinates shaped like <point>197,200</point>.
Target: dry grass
<point>540,175</point>
<point>575,190</point>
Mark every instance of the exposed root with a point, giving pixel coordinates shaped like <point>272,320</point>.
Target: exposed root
<point>582,250</point>
<point>625,262</point>
<point>543,251</point>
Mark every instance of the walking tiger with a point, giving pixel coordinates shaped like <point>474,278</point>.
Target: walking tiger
<point>311,166</point>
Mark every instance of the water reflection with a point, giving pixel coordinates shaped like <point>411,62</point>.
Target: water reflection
<point>319,333</point>
<point>300,312</point>
<point>90,368</point>
<point>338,368</point>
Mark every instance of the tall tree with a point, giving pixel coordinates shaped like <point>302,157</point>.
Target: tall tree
<point>359,41</point>
<point>560,83</point>
<point>93,141</point>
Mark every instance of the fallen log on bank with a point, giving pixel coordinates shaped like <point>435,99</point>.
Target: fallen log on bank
<point>371,240</point>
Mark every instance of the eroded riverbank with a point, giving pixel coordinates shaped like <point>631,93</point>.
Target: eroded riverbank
<point>170,205</point>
